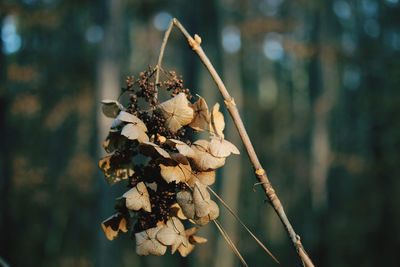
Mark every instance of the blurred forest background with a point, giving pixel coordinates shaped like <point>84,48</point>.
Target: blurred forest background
<point>317,83</point>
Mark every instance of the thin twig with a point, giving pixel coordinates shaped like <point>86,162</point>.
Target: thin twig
<point>259,171</point>
<point>160,57</point>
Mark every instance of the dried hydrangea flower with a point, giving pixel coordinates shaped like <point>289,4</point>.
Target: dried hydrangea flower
<point>146,242</point>
<point>177,112</point>
<point>138,198</point>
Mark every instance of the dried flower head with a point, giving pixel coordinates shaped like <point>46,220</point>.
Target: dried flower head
<point>169,187</point>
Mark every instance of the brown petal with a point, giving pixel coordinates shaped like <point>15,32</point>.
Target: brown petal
<point>201,116</point>
<point>134,132</point>
<point>217,123</point>
<point>111,108</point>
<point>182,147</point>
<point>176,112</point>
<point>138,198</point>
<point>153,150</point>
<point>113,225</point>
<point>178,173</point>
<point>146,242</point>
<point>222,148</point>
<point>185,201</point>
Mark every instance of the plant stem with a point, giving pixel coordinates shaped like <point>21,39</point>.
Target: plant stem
<point>160,57</point>
<point>259,171</point>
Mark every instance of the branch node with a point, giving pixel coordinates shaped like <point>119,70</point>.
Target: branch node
<point>195,43</point>
<point>260,171</point>
<point>230,103</point>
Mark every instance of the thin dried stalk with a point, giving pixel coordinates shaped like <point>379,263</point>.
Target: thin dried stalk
<point>230,242</point>
<point>259,171</point>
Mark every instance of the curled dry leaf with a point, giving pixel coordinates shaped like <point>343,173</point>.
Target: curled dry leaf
<point>203,160</point>
<point>124,116</point>
<point>177,112</point>
<point>134,132</point>
<point>111,108</point>
<point>152,150</point>
<point>114,174</point>
<point>138,198</point>
<point>182,147</point>
<point>217,123</point>
<point>179,171</point>
<point>201,116</point>
<point>222,148</point>
<point>146,242</point>
<point>113,225</point>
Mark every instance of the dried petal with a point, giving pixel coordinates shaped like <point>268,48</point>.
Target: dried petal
<point>213,214</point>
<point>185,201</point>
<point>166,236</point>
<point>114,141</point>
<point>178,173</point>
<point>182,147</point>
<point>203,160</point>
<point>201,116</point>
<point>138,198</point>
<point>201,199</point>
<point>114,174</point>
<point>134,132</point>
<point>146,242</point>
<point>113,225</point>
<point>177,211</point>
<point>217,123</point>
<point>111,108</point>
<point>124,116</point>
<point>222,148</point>
<point>153,150</point>
<point>177,112</point>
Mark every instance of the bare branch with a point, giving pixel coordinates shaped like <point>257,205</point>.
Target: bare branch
<point>259,171</point>
<point>160,57</point>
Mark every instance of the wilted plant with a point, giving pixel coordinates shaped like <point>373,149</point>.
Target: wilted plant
<point>152,146</point>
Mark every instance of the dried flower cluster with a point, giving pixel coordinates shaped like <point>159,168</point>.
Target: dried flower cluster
<point>168,174</point>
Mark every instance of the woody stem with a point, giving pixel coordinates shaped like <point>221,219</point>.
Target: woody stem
<point>259,171</point>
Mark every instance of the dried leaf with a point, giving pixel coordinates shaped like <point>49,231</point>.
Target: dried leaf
<point>113,225</point>
<point>146,242</point>
<point>153,150</point>
<point>182,147</point>
<point>111,108</point>
<point>138,198</point>
<point>201,116</point>
<point>134,132</point>
<point>177,112</point>
<point>222,148</point>
<point>217,123</point>
<point>114,174</point>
